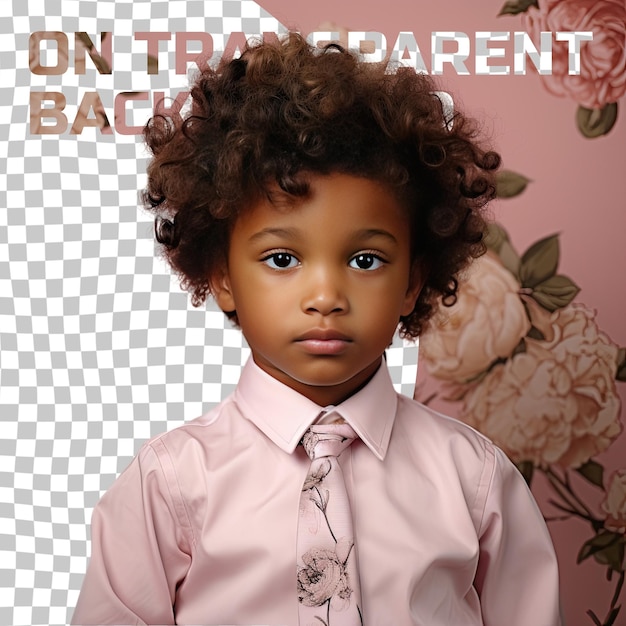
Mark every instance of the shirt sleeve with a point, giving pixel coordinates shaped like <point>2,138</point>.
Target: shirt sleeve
<point>517,577</point>
<point>140,546</point>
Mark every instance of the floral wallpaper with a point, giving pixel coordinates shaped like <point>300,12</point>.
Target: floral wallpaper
<point>602,79</point>
<point>531,369</point>
<point>521,357</point>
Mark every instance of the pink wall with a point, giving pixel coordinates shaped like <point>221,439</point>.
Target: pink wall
<point>577,191</point>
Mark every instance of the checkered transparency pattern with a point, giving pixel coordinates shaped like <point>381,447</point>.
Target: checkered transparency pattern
<point>99,348</point>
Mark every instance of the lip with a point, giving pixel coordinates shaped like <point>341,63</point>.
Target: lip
<point>323,334</point>
<point>323,341</point>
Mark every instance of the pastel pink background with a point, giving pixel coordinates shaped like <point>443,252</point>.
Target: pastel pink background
<point>577,190</point>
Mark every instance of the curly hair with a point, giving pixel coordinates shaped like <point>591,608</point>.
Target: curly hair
<point>284,109</point>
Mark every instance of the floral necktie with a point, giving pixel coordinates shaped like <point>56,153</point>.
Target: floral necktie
<point>328,580</point>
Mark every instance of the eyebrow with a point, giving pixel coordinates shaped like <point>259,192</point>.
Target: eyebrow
<point>370,233</point>
<point>293,233</point>
<point>290,233</point>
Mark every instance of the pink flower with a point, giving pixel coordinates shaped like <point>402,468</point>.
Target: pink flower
<point>614,504</point>
<point>317,474</point>
<point>322,578</point>
<point>556,402</point>
<point>602,77</point>
<point>486,323</point>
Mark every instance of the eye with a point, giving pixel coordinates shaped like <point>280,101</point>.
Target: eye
<point>366,261</point>
<point>280,260</point>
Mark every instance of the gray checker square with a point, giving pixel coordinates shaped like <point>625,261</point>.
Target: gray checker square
<point>100,350</point>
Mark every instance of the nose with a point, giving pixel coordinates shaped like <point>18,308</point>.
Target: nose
<point>324,293</point>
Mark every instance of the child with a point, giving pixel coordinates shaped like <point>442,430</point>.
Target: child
<point>321,201</point>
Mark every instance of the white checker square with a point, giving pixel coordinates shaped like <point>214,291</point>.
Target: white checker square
<point>8,558</point>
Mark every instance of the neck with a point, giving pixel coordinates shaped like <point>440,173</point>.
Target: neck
<point>323,395</point>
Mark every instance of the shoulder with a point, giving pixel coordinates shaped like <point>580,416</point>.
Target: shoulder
<point>453,451</point>
<point>171,463</point>
<point>203,431</point>
<point>209,424</point>
<point>451,434</point>
<point>423,424</point>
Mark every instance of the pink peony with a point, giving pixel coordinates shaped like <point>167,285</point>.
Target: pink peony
<point>486,323</point>
<point>614,504</point>
<point>323,578</point>
<point>555,403</point>
<point>602,77</point>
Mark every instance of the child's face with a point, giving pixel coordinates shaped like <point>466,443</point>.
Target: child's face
<point>319,285</point>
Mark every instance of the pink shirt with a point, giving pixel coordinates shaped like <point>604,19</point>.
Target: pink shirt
<point>201,527</point>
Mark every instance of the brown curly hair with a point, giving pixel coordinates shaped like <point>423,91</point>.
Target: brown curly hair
<point>284,109</point>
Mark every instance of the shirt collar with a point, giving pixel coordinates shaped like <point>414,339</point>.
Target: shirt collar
<point>284,415</point>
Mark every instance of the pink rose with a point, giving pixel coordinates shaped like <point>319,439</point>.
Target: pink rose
<point>614,504</point>
<point>486,323</point>
<point>322,578</point>
<point>556,402</point>
<point>602,77</point>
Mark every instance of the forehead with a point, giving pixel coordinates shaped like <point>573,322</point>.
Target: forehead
<point>334,203</point>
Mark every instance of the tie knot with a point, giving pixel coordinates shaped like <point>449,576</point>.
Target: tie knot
<point>327,439</point>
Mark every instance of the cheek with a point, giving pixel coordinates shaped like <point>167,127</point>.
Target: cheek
<point>380,308</point>
<point>258,307</point>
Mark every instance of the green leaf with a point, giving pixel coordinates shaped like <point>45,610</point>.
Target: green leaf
<point>613,556</point>
<point>607,548</point>
<point>540,261</point>
<point>513,7</point>
<point>555,293</point>
<point>596,122</point>
<point>621,365</point>
<point>526,469</point>
<point>497,240</point>
<point>510,184</point>
<point>593,472</point>
<point>510,259</point>
<point>495,236</point>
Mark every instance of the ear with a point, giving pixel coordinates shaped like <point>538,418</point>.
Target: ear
<point>222,291</point>
<point>417,279</point>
